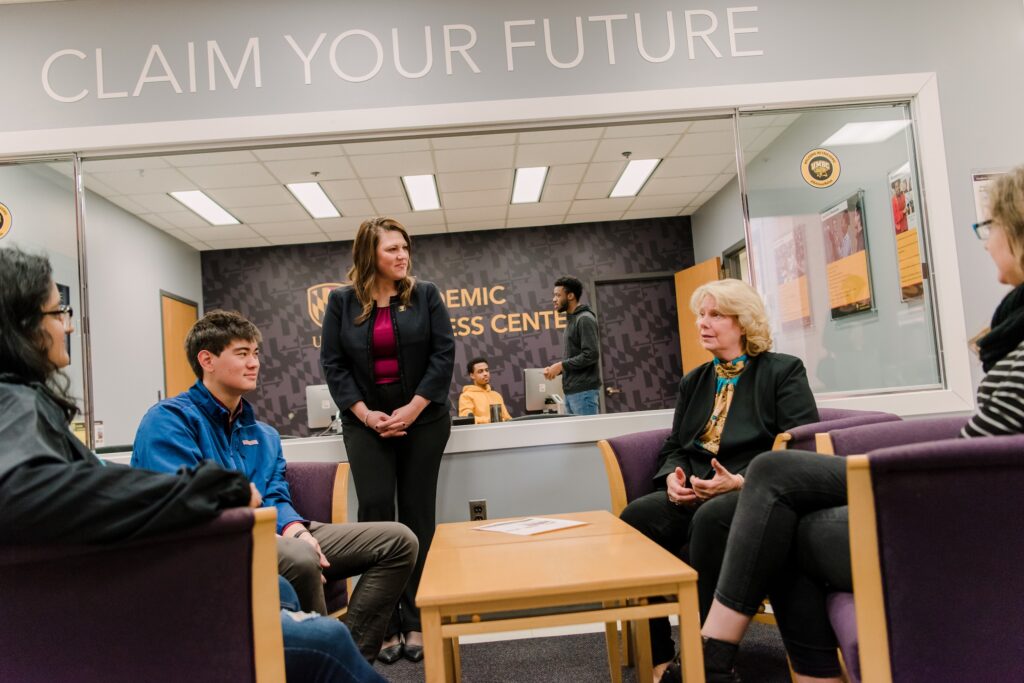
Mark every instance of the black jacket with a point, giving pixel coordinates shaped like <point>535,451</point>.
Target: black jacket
<point>52,488</point>
<point>426,350</point>
<point>772,396</point>
<point>580,365</point>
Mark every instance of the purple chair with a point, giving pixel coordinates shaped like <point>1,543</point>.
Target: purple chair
<point>89,613</point>
<point>320,492</point>
<point>934,527</point>
<point>803,437</point>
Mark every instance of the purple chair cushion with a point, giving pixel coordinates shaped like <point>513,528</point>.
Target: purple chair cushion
<point>803,437</point>
<point>170,608</point>
<point>638,459</point>
<point>866,438</point>
<point>951,548</point>
<point>843,616</point>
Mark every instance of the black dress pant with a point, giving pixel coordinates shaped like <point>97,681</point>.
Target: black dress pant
<point>705,528</point>
<point>406,468</point>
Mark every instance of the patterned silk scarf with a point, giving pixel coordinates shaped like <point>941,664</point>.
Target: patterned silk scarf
<point>728,374</point>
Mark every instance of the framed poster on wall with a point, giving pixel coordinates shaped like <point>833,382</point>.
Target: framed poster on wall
<point>846,257</point>
<point>906,221</point>
<point>790,253</point>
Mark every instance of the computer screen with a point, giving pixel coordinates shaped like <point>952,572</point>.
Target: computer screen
<point>320,408</point>
<point>538,388</point>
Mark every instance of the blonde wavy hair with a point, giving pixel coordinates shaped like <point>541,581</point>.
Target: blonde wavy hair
<point>737,298</point>
<point>362,276</point>
<point>1007,208</point>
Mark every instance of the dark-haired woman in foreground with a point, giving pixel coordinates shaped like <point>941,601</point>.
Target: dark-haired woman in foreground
<point>790,536</point>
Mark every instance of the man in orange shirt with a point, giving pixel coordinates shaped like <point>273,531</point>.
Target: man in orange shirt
<point>478,397</point>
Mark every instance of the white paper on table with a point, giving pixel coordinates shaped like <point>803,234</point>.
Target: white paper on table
<point>528,526</point>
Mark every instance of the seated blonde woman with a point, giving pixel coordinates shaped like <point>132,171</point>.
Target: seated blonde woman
<point>728,410</point>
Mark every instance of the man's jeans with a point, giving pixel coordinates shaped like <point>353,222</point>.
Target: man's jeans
<point>583,403</point>
<point>319,649</point>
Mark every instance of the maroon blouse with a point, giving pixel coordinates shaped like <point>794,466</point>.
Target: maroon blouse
<point>384,348</point>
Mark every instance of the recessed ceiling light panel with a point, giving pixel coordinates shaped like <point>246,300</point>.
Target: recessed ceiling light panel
<point>422,192</point>
<point>865,133</point>
<point>528,184</point>
<point>314,199</point>
<point>207,209</point>
<point>634,176</point>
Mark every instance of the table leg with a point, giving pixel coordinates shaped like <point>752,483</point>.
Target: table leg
<point>611,638</point>
<point>642,649</point>
<point>453,646</point>
<point>436,665</point>
<point>691,650</point>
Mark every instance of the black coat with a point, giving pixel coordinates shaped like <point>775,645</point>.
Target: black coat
<point>772,396</point>
<point>426,349</point>
<point>52,488</point>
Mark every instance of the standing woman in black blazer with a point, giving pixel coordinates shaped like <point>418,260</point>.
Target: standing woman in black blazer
<point>728,410</point>
<point>388,353</point>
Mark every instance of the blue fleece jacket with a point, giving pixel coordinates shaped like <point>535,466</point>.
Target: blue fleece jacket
<point>194,426</point>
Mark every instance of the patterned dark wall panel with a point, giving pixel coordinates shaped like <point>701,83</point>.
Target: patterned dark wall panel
<point>497,283</point>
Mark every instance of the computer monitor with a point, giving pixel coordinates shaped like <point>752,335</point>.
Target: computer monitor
<point>320,408</point>
<point>538,388</point>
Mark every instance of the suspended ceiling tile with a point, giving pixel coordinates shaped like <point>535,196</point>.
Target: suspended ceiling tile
<point>311,238</point>
<point>785,120</point>
<point>385,206</point>
<point>415,219</point>
<point>158,221</point>
<point>303,152</point>
<point>198,246</point>
<point>462,141</point>
<point>476,225</point>
<point>534,221</point>
<point>646,129</point>
<point>549,154</point>
<point>594,217</point>
<point>217,233</point>
<point>564,174</point>
<point>468,200</point>
<point>302,170</point>
<point>669,186</point>
<point>279,228</point>
<point>619,204</point>
<point>238,244</point>
<point>650,213</point>
<point>184,219</point>
<point>345,225</point>
<point>711,126</point>
<point>475,180</point>
<point>664,201</point>
<point>485,214</point>
<point>340,190</point>
<point>158,203</point>
<point>95,185</point>
<point>431,229</point>
<point>480,159</point>
<point>394,165</point>
<point>540,209</point>
<point>114,165</point>
<point>263,195</point>
<point>640,148</point>
<point>560,135</point>
<point>703,197</point>
<point>593,190</point>
<point>146,181</point>
<point>271,214</point>
<point>229,175</point>
<point>696,144</point>
<point>604,171</point>
<point>126,203</point>
<point>210,158</point>
<point>720,182</point>
<point>701,165</point>
<point>386,146</point>
<point>556,193</point>
<point>355,207</point>
<point>383,187</point>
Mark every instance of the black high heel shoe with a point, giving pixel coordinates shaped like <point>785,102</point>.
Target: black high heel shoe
<point>414,653</point>
<point>392,653</point>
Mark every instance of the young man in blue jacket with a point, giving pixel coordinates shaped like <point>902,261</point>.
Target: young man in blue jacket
<point>211,421</point>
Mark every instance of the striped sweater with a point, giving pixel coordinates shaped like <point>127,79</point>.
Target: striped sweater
<point>1000,399</point>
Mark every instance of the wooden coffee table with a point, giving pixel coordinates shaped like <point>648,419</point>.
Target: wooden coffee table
<point>603,572</point>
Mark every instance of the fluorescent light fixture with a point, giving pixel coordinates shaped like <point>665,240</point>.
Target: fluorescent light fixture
<point>314,199</point>
<point>209,210</point>
<point>633,178</point>
<point>422,192</point>
<point>865,133</point>
<point>528,184</point>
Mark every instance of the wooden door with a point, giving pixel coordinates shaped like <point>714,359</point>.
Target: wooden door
<point>687,281</point>
<point>177,316</point>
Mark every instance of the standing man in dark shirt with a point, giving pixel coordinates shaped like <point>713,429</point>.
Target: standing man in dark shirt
<point>580,366</point>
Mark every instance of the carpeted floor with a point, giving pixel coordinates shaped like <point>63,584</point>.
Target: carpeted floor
<point>581,658</point>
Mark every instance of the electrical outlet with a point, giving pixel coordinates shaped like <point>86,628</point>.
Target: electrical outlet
<point>477,510</point>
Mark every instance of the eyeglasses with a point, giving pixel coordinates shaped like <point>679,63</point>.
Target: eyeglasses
<point>981,230</point>
<point>65,312</point>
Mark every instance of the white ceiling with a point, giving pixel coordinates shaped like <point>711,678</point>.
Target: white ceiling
<point>474,175</point>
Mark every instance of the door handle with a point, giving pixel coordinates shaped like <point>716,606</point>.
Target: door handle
<point>611,391</point>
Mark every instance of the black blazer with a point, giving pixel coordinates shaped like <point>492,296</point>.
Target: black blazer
<point>772,396</point>
<point>426,349</point>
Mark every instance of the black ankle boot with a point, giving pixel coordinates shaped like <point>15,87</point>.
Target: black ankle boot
<point>719,661</point>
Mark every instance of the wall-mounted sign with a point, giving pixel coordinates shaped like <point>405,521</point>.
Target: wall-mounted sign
<point>5,221</point>
<point>820,168</point>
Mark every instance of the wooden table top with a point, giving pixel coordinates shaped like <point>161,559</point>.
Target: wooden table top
<point>465,565</point>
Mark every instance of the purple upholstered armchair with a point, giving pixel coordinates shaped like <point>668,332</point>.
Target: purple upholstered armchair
<point>320,493</point>
<point>90,613</point>
<point>935,527</point>
<point>803,437</point>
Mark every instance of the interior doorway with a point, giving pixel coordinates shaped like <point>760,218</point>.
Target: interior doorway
<point>639,342</point>
<point>177,316</point>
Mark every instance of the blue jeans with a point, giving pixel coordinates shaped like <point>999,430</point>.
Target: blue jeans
<point>583,403</point>
<point>319,649</point>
